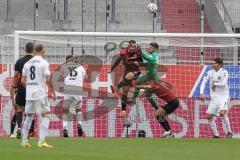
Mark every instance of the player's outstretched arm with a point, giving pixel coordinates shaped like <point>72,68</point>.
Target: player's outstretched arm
<point>116,63</point>
<point>149,57</point>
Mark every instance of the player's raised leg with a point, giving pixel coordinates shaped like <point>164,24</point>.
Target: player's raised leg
<point>124,102</point>
<point>162,91</point>
<point>163,112</point>
<point>160,115</point>
<point>151,99</point>
<point>141,80</point>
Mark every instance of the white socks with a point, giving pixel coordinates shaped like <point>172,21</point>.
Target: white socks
<point>79,117</point>
<point>213,126</point>
<point>43,129</point>
<point>226,122</point>
<point>26,127</point>
<point>64,120</point>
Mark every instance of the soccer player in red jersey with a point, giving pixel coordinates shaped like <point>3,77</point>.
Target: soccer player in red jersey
<point>130,58</point>
<point>163,91</point>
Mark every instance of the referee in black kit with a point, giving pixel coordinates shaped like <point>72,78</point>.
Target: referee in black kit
<point>19,92</point>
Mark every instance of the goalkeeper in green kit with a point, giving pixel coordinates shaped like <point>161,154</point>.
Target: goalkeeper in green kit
<point>152,60</point>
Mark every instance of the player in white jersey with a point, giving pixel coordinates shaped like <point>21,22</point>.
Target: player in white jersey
<point>35,77</point>
<point>73,75</point>
<point>219,96</point>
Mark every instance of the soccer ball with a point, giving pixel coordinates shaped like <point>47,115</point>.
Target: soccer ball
<point>152,8</point>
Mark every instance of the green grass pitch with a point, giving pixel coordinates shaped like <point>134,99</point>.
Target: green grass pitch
<point>123,149</point>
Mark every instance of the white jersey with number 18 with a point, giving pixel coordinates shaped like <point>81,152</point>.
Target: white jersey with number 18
<point>36,69</point>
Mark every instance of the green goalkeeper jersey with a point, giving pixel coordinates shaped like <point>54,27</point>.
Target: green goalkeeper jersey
<point>151,70</point>
<point>152,64</point>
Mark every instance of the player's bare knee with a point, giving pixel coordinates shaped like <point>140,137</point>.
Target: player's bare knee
<point>125,90</point>
<point>161,112</point>
<point>222,113</point>
<point>129,76</point>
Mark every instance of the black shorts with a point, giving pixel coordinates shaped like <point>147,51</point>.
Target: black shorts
<point>20,96</point>
<point>171,106</point>
<point>136,74</point>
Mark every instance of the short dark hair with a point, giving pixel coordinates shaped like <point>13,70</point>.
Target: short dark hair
<point>29,47</point>
<point>219,60</point>
<point>131,41</point>
<point>69,57</point>
<point>154,44</point>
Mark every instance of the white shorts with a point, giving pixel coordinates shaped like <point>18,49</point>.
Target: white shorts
<point>72,101</point>
<point>37,106</point>
<point>215,106</point>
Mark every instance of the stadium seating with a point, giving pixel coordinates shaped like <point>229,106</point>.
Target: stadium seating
<point>184,16</point>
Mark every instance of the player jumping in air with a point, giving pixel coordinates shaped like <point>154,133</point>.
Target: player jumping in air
<point>35,77</point>
<point>130,58</point>
<point>152,59</point>
<point>163,91</point>
<point>219,96</point>
<point>73,75</point>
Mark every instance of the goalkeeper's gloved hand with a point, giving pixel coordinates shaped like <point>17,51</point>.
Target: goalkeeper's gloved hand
<point>139,48</point>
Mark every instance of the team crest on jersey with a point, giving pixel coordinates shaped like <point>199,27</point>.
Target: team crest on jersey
<point>219,78</point>
<point>225,75</point>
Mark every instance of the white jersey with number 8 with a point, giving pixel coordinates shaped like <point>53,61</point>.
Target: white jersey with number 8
<point>36,69</point>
